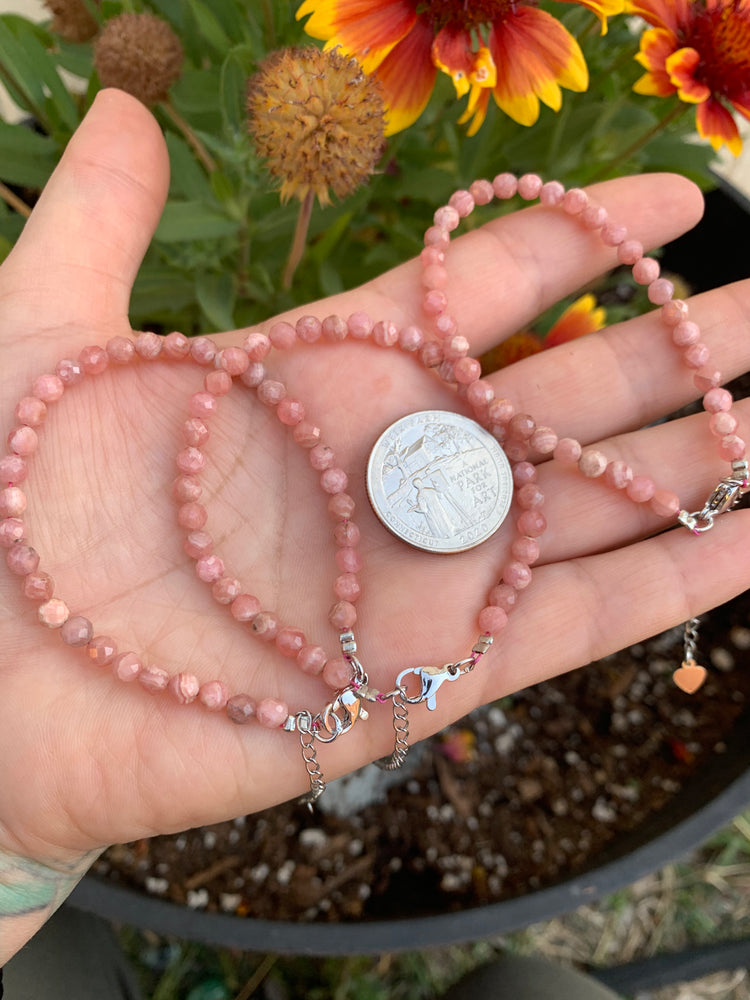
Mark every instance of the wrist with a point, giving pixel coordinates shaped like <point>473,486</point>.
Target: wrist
<point>31,889</point>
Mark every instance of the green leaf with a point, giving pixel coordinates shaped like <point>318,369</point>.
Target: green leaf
<point>159,290</point>
<point>34,69</point>
<point>235,71</point>
<point>216,297</point>
<point>209,27</point>
<point>187,177</point>
<point>182,221</point>
<point>26,158</point>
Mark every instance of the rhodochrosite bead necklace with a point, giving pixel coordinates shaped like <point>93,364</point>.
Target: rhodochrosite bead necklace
<point>438,480</point>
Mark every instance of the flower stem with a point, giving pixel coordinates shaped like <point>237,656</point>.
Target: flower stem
<point>300,239</point>
<point>609,168</point>
<point>198,148</point>
<point>14,201</point>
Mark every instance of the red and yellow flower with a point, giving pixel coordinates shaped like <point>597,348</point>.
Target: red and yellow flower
<point>508,48</point>
<point>699,50</point>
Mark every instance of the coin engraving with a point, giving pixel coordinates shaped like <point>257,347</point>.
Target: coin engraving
<point>439,481</point>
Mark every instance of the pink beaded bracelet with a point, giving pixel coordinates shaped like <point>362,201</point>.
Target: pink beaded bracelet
<point>438,346</point>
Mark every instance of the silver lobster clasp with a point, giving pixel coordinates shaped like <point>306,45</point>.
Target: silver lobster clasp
<point>430,679</point>
<point>724,496</point>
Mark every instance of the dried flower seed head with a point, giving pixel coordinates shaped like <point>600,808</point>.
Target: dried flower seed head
<point>71,20</point>
<point>138,53</point>
<point>318,121</point>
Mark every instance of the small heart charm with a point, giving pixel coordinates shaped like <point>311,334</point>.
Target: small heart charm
<point>689,676</point>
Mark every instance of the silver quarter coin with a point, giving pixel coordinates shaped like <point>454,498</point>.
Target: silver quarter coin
<point>439,481</point>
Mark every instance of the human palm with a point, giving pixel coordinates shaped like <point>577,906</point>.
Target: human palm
<point>86,761</point>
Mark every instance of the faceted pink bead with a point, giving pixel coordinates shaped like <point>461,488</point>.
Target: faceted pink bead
<point>48,388</point>
<point>456,347</point>
<point>272,713</point>
<point>431,255</point>
<point>717,399</point>
<point>271,391</point>
<point>674,312</point>
<point>722,423</point>
<point>31,411</point>
<point>481,191</point>
<point>434,276</point>
<point>517,575</point>
<point>184,688</point>
<point>335,329</point>
<point>685,332</point>
<point>521,426</point>
<point>337,673</point>
<point>531,523</point>
<point>431,354</point>
<point>23,441</point>
<point>618,474</point>
<point>629,251</point>
<point>282,335</point>
<point>411,339</point>
<point>543,440</point>
<point>148,345</point>
<point>446,372</point>
<point>13,469</point>
<point>198,543</point>
<point>94,359</point>
<point>12,501</point>
<point>575,201</point>
<point>126,667</point>
<point>444,325</point>
<point>505,185</point>
<point>660,291</point>
<point>176,345</point>
<point>153,679</point>
<point>190,460</point>
<point>257,345</point>
<point>194,432</point>
<point>254,375</point>
<point>348,559</point>
<point>266,626</point>
<point>500,411</point>
<point>192,516</point>
<point>22,559</point>
<point>552,193</point>
<point>467,370</point>
<point>463,202</point>
<point>53,613</point>
<point>341,506</point>
<point>306,434</point>
<point>568,451</point>
<point>696,355</point>
<point>707,378</point>
<point>516,450</point>
<point>640,488</point>
<point>732,448</point>
<point>446,217</point>
<point>226,590</point>
<point>665,503</point>
<point>646,270</point>
<point>613,234</point>
<point>102,650</point>
<point>77,631</point>
<point>503,596</point>
<point>594,216</point>
<point>321,457</point>
<point>346,587</point>
<point>202,404</point>
<point>334,480</point>
<point>121,350</point>
<point>203,351</point>
<point>529,186</point>
<point>217,382</point>
<point>436,236</point>
<point>245,607</point>
<point>68,372</point>
<point>214,695</point>
<point>289,641</point>
<point>525,549</point>
<point>209,569</point>
<point>530,496</point>
<point>290,412</point>
<point>311,660</point>
<point>385,333</point>
<point>524,472</point>
<point>240,708</point>
<point>38,586</point>
<point>342,615</point>
<point>592,463</point>
<point>480,393</point>
<point>492,619</point>
<point>359,325</point>
<point>346,533</point>
<point>309,329</point>
<point>434,302</point>
<point>233,360</point>
<point>12,530</point>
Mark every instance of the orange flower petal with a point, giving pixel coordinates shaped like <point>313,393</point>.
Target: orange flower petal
<point>681,66</point>
<point>657,45</point>
<point>407,75</point>
<point>476,110</point>
<point>367,29</point>
<point>602,8</point>
<point>452,53</point>
<point>535,56</point>
<point>661,13</point>
<point>580,318</point>
<point>514,348</point>
<point>716,124</point>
